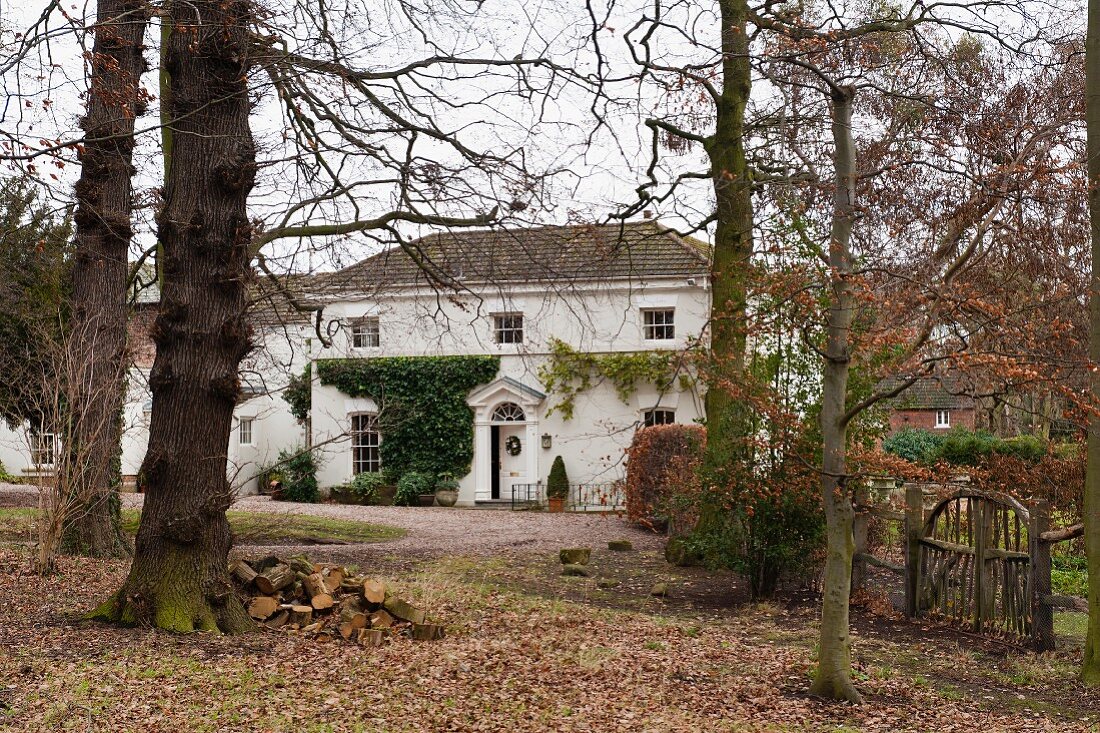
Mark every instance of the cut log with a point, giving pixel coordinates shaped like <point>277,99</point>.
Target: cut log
<point>374,592</point>
<point>301,615</point>
<point>404,611</point>
<point>314,585</point>
<point>333,581</point>
<point>347,630</point>
<point>371,637</point>
<point>321,601</point>
<point>262,607</point>
<point>313,627</point>
<point>243,572</point>
<point>351,603</point>
<point>351,585</point>
<point>274,579</point>
<point>357,619</point>
<point>380,620</point>
<point>278,620</point>
<point>301,565</point>
<point>427,632</point>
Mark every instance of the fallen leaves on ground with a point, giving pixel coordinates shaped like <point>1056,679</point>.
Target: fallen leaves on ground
<point>512,662</point>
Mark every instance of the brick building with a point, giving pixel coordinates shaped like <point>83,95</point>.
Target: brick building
<point>934,404</point>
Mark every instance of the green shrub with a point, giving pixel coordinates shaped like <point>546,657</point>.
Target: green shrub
<point>913,444</point>
<point>962,447</point>
<point>367,487</point>
<point>557,483</point>
<point>412,485</point>
<point>298,471</point>
<point>5,477</point>
<point>1027,447</point>
<point>1069,575</point>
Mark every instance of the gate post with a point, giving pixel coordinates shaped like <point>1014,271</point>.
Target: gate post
<point>914,528</point>
<point>1038,579</point>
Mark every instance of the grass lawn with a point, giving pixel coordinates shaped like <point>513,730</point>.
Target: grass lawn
<point>249,528</point>
<point>527,651</point>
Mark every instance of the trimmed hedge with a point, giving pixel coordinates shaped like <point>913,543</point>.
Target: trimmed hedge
<point>961,447</point>
<point>661,470</point>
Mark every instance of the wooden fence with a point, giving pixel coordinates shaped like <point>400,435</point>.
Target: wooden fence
<point>977,558</point>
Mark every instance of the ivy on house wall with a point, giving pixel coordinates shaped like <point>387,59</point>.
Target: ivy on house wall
<point>425,422</point>
<point>298,394</point>
<point>569,372</point>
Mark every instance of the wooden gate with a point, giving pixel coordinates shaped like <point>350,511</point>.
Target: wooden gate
<point>973,563</point>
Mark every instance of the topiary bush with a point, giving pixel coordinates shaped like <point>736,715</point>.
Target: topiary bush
<point>367,487</point>
<point>298,471</point>
<point>557,483</point>
<point>411,485</point>
<point>661,473</point>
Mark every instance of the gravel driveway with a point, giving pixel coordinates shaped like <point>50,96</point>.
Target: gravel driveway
<point>439,531</point>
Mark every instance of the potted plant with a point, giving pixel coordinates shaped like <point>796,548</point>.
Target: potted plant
<point>446,490</point>
<point>557,486</point>
<point>415,488</point>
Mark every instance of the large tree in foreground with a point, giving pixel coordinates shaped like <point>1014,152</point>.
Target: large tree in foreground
<point>97,333</point>
<point>178,580</point>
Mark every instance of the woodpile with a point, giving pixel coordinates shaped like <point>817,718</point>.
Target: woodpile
<point>325,601</point>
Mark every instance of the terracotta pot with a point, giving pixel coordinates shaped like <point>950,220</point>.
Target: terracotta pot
<point>427,499</point>
<point>556,504</point>
<point>446,497</point>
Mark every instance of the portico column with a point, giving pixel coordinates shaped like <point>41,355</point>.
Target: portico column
<point>482,458</point>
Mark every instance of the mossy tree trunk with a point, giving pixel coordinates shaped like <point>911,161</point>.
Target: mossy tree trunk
<point>179,579</point>
<point>833,678</point>
<point>94,366</point>
<point>1090,669</point>
<point>726,417</point>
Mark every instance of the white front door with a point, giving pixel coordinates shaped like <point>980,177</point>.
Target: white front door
<point>513,464</point>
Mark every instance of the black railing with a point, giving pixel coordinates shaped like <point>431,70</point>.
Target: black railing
<point>607,496</point>
<point>528,496</point>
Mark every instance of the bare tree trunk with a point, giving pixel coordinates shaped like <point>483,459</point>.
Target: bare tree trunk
<point>1090,668</point>
<point>97,340</point>
<point>178,580</point>
<point>726,419</point>
<point>833,678</point>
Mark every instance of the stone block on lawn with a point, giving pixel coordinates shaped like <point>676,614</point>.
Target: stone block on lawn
<point>620,545</point>
<point>659,590</point>
<point>576,570</point>
<point>606,583</point>
<point>575,555</point>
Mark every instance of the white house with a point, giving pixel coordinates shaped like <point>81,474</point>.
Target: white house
<point>605,292</point>
<point>602,290</point>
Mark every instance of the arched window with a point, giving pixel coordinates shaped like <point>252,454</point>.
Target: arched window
<point>508,412</point>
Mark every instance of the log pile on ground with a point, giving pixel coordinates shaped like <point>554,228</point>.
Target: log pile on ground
<point>325,601</point>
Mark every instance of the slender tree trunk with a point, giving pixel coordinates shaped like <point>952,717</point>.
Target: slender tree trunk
<point>726,418</point>
<point>97,339</point>
<point>1090,668</point>
<point>834,661</point>
<point>178,580</point>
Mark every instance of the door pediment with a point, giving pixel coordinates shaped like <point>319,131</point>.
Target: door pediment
<point>505,389</point>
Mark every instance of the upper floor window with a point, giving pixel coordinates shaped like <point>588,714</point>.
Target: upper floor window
<point>365,334</point>
<point>943,418</point>
<point>659,416</point>
<point>365,442</point>
<point>508,328</point>
<point>244,431</point>
<point>658,324</point>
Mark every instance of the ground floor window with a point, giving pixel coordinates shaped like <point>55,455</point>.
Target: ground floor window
<point>244,431</point>
<point>43,448</point>
<point>365,441</point>
<point>943,418</point>
<point>659,416</point>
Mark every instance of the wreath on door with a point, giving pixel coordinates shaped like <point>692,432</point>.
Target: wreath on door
<point>512,445</point>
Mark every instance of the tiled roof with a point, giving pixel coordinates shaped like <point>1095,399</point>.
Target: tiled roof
<point>633,250</point>
<point>930,393</point>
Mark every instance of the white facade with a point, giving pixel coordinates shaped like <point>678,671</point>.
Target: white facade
<point>601,317</point>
